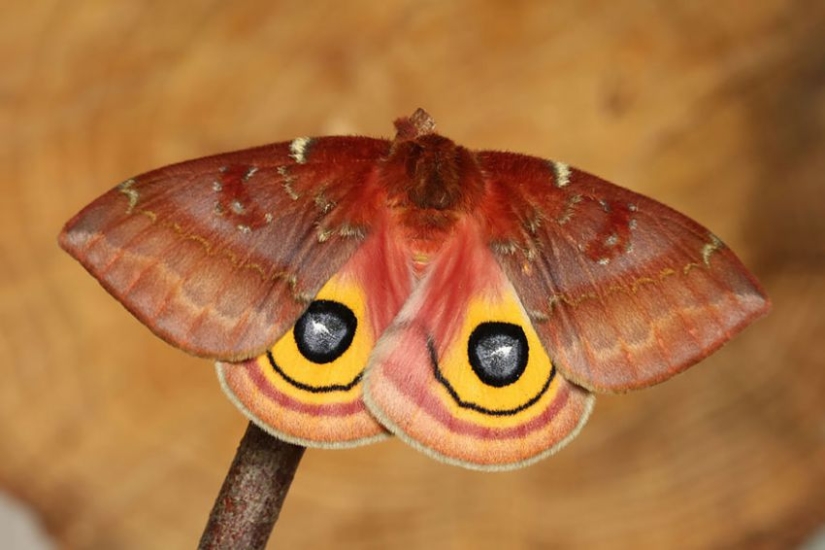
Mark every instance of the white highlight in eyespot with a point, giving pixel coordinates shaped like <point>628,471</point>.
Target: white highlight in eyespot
<point>297,149</point>
<point>503,352</point>
<point>320,329</point>
<point>562,173</point>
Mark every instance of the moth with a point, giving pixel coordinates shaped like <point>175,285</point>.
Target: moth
<point>468,302</point>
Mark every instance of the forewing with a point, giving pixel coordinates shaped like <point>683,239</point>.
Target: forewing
<point>220,255</point>
<point>623,291</point>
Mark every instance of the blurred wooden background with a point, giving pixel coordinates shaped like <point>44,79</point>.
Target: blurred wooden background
<point>716,107</point>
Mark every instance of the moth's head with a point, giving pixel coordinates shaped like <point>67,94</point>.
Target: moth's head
<point>420,123</point>
<point>431,171</point>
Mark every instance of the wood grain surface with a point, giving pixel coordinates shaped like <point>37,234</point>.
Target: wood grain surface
<point>715,107</point>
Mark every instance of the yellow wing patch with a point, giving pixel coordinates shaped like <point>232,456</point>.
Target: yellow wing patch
<point>502,323</point>
<point>299,376</point>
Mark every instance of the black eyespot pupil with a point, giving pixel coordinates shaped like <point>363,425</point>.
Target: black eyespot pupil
<point>325,331</point>
<point>498,353</point>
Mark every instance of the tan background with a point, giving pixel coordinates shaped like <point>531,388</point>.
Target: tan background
<point>714,106</point>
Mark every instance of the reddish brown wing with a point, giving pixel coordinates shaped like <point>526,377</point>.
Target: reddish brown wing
<point>623,291</point>
<point>220,255</point>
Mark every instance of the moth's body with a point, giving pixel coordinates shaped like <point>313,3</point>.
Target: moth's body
<point>467,301</point>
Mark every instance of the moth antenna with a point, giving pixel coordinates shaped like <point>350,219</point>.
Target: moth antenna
<point>420,123</point>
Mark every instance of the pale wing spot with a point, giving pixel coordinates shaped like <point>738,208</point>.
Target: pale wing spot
<point>538,316</point>
<point>303,297</point>
<point>631,224</point>
<point>711,247</point>
<point>217,187</point>
<point>290,191</point>
<point>504,248</point>
<point>297,149</point>
<point>324,235</point>
<point>237,207</point>
<point>347,230</point>
<point>561,171</point>
<point>323,203</point>
<point>534,220</point>
<point>249,173</point>
<point>288,180</point>
<point>131,193</point>
<point>569,209</point>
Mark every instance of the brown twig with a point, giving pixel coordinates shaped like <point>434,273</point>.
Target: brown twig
<point>253,492</point>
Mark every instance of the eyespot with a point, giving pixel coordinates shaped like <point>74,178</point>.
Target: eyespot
<point>498,353</point>
<point>325,331</point>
